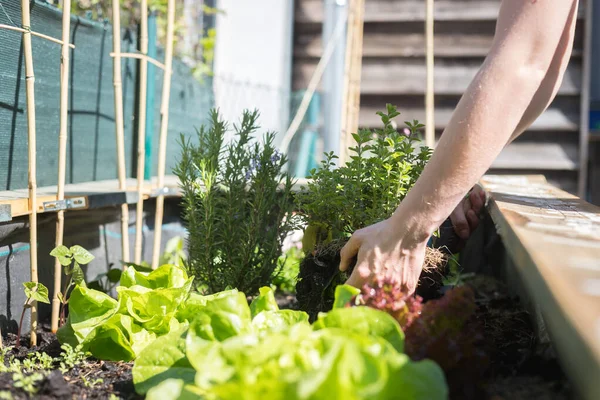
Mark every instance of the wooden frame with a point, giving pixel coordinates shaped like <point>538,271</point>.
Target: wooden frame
<point>429,91</point>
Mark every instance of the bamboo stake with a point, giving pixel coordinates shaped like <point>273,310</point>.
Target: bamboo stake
<point>40,35</point>
<point>429,95</point>
<point>62,155</point>
<point>584,124</point>
<point>140,57</point>
<point>141,131</point>
<point>30,90</point>
<point>164,125</point>
<point>119,127</point>
<point>352,76</point>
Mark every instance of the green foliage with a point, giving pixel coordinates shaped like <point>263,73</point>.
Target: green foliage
<point>27,382</point>
<point>37,361</point>
<point>35,291</point>
<point>231,350</point>
<point>70,357</point>
<point>237,205</point>
<point>119,330</point>
<point>174,252</point>
<point>382,167</point>
<point>285,280</point>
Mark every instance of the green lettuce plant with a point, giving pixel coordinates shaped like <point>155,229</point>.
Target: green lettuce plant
<point>229,350</point>
<point>237,205</point>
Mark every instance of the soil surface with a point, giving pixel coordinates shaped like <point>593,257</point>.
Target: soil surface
<point>90,379</point>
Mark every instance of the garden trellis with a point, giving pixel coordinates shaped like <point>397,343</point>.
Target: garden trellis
<point>27,32</point>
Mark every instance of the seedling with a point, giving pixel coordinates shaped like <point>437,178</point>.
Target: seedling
<point>71,259</point>
<point>34,291</point>
<point>27,382</point>
<point>70,357</point>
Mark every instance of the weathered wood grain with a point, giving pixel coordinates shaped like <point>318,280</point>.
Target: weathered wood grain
<point>553,239</point>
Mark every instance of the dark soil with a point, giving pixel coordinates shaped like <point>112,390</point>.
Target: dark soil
<point>91,379</point>
<point>521,367</point>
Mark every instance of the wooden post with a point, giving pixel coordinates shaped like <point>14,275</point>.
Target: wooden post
<point>62,155</point>
<point>30,90</point>
<point>584,123</point>
<point>120,136</point>
<point>352,76</point>
<point>164,125</point>
<point>429,95</point>
<point>139,215</point>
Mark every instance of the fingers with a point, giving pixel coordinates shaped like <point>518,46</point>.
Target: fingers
<point>349,251</point>
<point>460,223</point>
<point>473,220</point>
<point>477,199</point>
<point>360,275</point>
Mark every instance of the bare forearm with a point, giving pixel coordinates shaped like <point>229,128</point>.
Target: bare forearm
<point>514,85</point>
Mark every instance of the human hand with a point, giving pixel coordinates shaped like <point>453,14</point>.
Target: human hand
<point>388,249</point>
<point>465,217</point>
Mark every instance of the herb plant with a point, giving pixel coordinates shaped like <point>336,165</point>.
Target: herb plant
<point>237,205</point>
<point>382,167</point>
<point>35,292</point>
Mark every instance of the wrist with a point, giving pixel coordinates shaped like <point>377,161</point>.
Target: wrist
<point>417,228</point>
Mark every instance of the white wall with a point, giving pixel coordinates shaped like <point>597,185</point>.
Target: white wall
<point>253,59</point>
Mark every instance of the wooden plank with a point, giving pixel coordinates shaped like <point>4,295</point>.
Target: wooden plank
<point>562,115</point>
<point>452,39</point>
<point>407,76</point>
<point>311,11</point>
<point>97,194</point>
<point>539,156</point>
<point>553,239</point>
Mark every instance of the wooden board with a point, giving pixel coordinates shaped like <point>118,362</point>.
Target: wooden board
<point>452,39</point>
<point>562,115</point>
<point>96,194</point>
<point>406,76</point>
<point>553,239</point>
<point>311,11</point>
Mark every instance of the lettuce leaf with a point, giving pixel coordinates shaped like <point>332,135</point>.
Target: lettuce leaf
<point>265,301</point>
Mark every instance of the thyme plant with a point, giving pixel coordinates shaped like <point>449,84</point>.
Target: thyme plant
<point>382,167</point>
<point>237,205</point>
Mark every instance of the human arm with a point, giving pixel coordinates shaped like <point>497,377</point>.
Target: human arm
<point>515,83</point>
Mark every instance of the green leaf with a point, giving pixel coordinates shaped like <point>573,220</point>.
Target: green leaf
<point>81,255</point>
<point>61,298</point>
<point>174,389</point>
<point>343,295</point>
<point>165,276</point>
<point>143,267</point>
<point>164,359</point>
<point>265,301</point>
<point>364,321</point>
<point>273,321</point>
<point>37,292</point>
<point>78,276</point>
<point>114,275</point>
<point>416,380</point>
<point>63,254</point>
<point>87,309</point>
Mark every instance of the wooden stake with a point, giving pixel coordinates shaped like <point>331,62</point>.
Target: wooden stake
<point>429,95</point>
<point>352,76</point>
<point>584,123</point>
<point>30,90</point>
<point>62,155</point>
<point>164,125</point>
<point>141,132</point>
<point>119,127</point>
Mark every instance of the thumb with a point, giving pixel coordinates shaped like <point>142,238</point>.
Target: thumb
<point>349,251</point>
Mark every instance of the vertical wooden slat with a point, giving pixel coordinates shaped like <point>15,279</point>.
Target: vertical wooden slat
<point>119,126</point>
<point>352,76</point>
<point>30,91</point>
<point>62,154</point>
<point>429,93</point>
<point>164,127</point>
<point>584,123</point>
<point>141,131</point>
